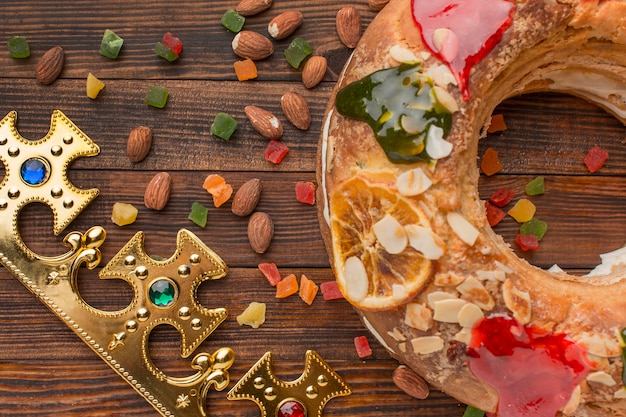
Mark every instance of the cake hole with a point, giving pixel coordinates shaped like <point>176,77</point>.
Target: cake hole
<point>549,135</point>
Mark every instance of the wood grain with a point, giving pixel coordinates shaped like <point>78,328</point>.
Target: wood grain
<point>45,370</point>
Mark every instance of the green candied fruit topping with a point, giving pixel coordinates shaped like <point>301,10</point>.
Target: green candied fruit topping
<point>111,44</point>
<point>223,126</point>
<point>535,187</point>
<point>401,107</point>
<point>165,52</point>
<point>18,47</point>
<point>156,96</point>
<point>534,227</point>
<point>473,412</point>
<point>233,21</point>
<point>297,51</point>
<point>199,214</point>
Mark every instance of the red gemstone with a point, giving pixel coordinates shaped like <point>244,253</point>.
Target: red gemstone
<point>291,409</point>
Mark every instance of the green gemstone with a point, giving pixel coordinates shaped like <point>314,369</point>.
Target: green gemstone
<point>165,52</point>
<point>297,51</point>
<point>233,21</point>
<point>223,126</point>
<point>157,96</point>
<point>111,44</point>
<point>18,47</point>
<point>162,293</point>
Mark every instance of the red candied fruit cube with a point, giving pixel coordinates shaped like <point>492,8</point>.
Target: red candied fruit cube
<point>172,42</point>
<point>305,192</point>
<point>330,291</point>
<point>595,159</point>
<point>502,197</point>
<point>275,151</point>
<point>494,214</point>
<point>527,242</point>
<point>362,345</point>
<point>270,271</point>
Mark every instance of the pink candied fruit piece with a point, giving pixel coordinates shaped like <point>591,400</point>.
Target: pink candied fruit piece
<point>362,345</point>
<point>305,192</point>
<point>595,159</point>
<point>330,291</point>
<point>172,42</point>
<point>275,151</point>
<point>270,271</point>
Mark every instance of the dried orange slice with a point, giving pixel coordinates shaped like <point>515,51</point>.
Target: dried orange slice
<point>375,270</point>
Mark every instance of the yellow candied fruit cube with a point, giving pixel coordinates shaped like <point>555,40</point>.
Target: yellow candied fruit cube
<point>253,315</point>
<point>94,86</point>
<point>124,214</point>
<point>522,211</point>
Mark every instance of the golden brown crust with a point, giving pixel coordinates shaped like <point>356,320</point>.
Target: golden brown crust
<point>548,45</point>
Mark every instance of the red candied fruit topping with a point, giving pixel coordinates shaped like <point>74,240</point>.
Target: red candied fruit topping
<point>475,28</point>
<point>330,291</point>
<point>527,242</point>
<point>172,42</point>
<point>362,345</point>
<point>502,197</point>
<point>534,372</point>
<point>305,192</point>
<point>270,271</point>
<point>494,214</point>
<point>291,408</point>
<point>595,159</point>
<point>275,151</point>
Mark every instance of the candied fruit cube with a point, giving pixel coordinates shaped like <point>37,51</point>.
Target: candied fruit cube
<point>253,315</point>
<point>502,196</point>
<point>535,187</point>
<point>233,21</point>
<point>297,51</point>
<point>308,290</point>
<point>157,96</point>
<point>111,44</point>
<point>18,47</point>
<point>199,214</point>
<point>362,345</point>
<point>172,42</point>
<point>271,273</point>
<point>223,126</point>
<point>494,214</point>
<point>305,192</point>
<point>490,163</point>
<point>94,86</point>
<point>497,124</point>
<point>522,211</point>
<point>527,242</point>
<point>245,70</point>
<point>165,52</point>
<point>330,291</point>
<point>287,286</point>
<point>124,214</point>
<point>595,159</point>
<point>535,227</point>
<point>275,151</point>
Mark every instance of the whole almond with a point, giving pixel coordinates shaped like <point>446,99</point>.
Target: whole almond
<point>284,24</point>
<point>158,191</point>
<point>260,231</point>
<point>264,122</point>
<point>252,45</point>
<point>247,197</point>
<point>139,143</point>
<point>314,71</point>
<point>252,7</point>
<point>50,65</point>
<point>377,5</point>
<point>348,24</point>
<point>410,382</point>
<point>296,110</point>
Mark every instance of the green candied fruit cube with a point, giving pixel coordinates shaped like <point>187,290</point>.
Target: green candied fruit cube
<point>156,96</point>
<point>233,21</point>
<point>297,51</point>
<point>535,187</point>
<point>199,214</point>
<point>165,52</point>
<point>18,47</point>
<point>111,44</point>
<point>223,126</point>
<point>534,227</point>
<point>473,412</point>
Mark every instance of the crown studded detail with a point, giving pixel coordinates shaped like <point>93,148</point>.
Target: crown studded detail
<point>305,396</point>
<point>164,292</point>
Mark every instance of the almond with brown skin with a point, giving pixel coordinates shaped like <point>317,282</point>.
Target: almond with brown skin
<point>50,65</point>
<point>260,231</point>
<point>139,143</point>
<point>284,24</point>
<point>264,122</point>
<point>348,24</point>
<point>377,5</point>
<point>158,191</point>
<point>314,71</point>
<point>252,45</point>
<point>296,110</point>
<point>247,197</point>
<point>252,7</point>
<point>410,382</point>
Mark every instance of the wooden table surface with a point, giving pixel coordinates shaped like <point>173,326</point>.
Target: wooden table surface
<point>46,370</point>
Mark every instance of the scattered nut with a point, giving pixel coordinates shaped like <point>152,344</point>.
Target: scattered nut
<point>252,7</point>
<point>296,110</point>
<point>264,122</point>
<point>314,71</point>
<point>377,5</point>
<point>348,23</point>
<point>158,191</point>
<point>246,198</point>
<point>50,65</point>
<point>410,382</point>
<point>260,231</point>
<point>253,45</point>
<point>139,143</point>
<point>284,24</point>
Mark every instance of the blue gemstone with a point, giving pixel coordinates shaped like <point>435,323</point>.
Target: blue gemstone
<point>162,293</point>
<point>34,171</point>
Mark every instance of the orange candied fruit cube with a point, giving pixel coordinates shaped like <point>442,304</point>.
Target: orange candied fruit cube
<point>287,286</point>
<point>217,186</point>
<point>212,182</point>
<point>245,69</point>
<point>490,163</point>
<point>497,124</point>
<point>308,290</point>
<point>523,211</point>
<point>222,194</point>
